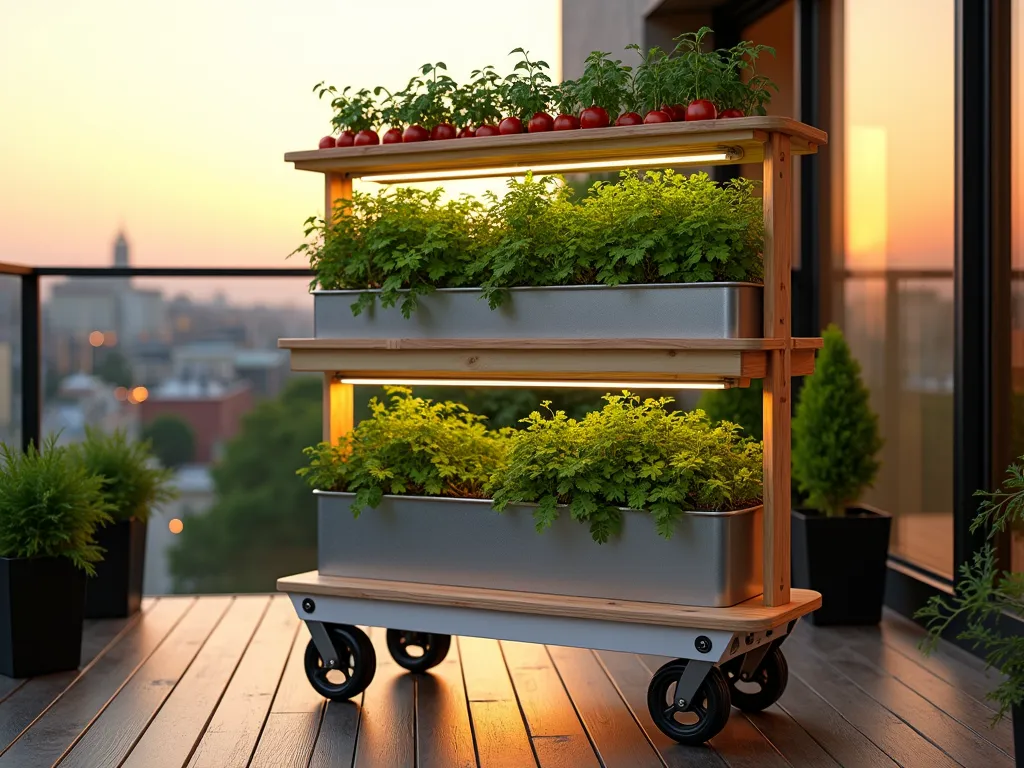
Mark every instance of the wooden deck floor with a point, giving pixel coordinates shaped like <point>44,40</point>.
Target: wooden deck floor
<point>217,682</point>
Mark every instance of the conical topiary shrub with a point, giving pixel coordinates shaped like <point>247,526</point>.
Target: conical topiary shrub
<point>835,432</point>
<point>840,547</point>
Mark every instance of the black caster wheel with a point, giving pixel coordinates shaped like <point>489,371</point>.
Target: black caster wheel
<point>418,651</point>
<point>702,719</point>
<point>357,664</point>
<point>764,688</point>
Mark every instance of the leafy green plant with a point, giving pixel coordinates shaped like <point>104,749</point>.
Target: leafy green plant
<point>651,84</point>
<point>566,98</point>
<point>835,432</point>
<point>985,594</point>
<point>409,445</point>
<point>696,73</point>
<point>632,453</point>
<point>404,242</point>
<point>50,505</point>
<point>131,484</point>
<point>604,83</point>
<point>739,405</point>
<point>356,112</point>
<point>750,94</point>
<point>432,103</point>
<point>527,89</point>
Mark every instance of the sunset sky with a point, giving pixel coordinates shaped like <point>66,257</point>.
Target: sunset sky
<point>172,119</point>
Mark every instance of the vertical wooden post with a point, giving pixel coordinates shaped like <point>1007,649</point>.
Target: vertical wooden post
<point>339,399</point>
<point>778,259</point>
<point>339,408</point>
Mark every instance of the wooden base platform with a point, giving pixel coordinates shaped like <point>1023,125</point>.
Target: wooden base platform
<point>749,616</point>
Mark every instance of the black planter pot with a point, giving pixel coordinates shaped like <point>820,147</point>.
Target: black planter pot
<point>1018,736</point>
<point>41,605</point>
<point>844,559</point>
<point>116,590</point>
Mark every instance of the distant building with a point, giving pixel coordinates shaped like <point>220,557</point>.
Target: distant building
<point>196,494</point>
<point>85,401</point>
<point>213,410</point>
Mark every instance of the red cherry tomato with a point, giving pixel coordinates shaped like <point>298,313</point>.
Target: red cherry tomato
<point>701,109</point>
<point>510,125</point>
<point>467,133</point>
<point>657,116</point>
<point>566,123</point>
<point>347,139</point>
<point>366,138</point>
<point>327,142</point>
<point>730,113</point>
<point>415,133</point>
<point>540,122</point>
<point>594,117</point>
<point>392,136</point>
<point>669,110</point>
<point>442,131</point>
<point>678,112</point>
<point>487,130</point>
<point>629,118</point>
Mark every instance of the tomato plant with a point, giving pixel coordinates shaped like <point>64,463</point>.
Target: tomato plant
<point>650,84</point>
<point>526,91</point>
<point>604,85</point>
<point>481,100</point>
<point>749,94</point>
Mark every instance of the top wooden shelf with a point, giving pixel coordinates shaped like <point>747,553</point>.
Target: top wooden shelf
<point>736,139</point>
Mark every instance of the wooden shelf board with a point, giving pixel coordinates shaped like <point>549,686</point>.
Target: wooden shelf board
<point>747,134</point>
<point>528,344</point>
<point>749,616</point>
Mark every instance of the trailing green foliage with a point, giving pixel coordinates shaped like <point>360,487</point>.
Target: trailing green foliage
<point>835,432</point>
<point>409,445</point>
<point>634,454</point>
<point>50,505</point>
<point>659,227</point>
<point>740,405</point>
<point>131,484</point>
<point>986,594</point>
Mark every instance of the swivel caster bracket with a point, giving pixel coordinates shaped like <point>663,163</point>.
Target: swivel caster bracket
<point>752,661</point>
<point>690,681</point>
<point>323,643</point>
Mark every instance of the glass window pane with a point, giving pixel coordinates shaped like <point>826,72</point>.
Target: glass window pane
<point>10,360</point>
<point>895,293</point>
<point>1017,283</point>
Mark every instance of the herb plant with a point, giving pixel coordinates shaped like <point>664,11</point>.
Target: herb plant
<point>986,594</point>
<point>50,505</point>
<point>356,112</point>
<point>634,454</point>
<point>131,484</point>
<point>750,94</point>
<point>835,432</point>
<point>409,446</point>
<point>651,85</point>
<point>527,89</point>
<point>604,83</point>
<point>661,227</point>
<point>404,242</point>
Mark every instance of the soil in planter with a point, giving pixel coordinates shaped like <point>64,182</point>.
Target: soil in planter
<point>41,605</point>
<point>116,589</point>
<point>843,558</point>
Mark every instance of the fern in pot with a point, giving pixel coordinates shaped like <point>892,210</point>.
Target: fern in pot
<point>839,545</point>
<point>50,506</point>
<point>988,601</point>
<point>134,486</point>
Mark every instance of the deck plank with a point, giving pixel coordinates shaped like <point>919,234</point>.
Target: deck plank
<point>230,738</point>
<point>616,736</point>
<point>112,735</point>
<point>960,742</point>
<point>56,729</point>
<point>444,738</point>
<point>499,731</point>
<point>29,700</point>
<point>555,729</point>
<point>901,742</point>
<point>172,735</point>
<point>387,727</point>
<point>290,732</point>
<point>790,739</point>
<point>336,741</point>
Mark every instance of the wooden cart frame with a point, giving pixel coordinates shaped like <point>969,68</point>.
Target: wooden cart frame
<point>709,637</point>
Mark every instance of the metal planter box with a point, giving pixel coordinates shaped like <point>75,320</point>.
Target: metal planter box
<point>713,559</point>
<point>669,311</point>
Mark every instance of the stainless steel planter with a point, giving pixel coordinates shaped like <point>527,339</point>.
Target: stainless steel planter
<point>713,559</point>
<point>670,311</point>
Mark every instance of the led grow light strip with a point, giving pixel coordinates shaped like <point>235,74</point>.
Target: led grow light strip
<point>608,385</point>
<point>593,165</point>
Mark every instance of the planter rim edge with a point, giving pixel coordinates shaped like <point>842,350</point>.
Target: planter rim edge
<point>525,288</point>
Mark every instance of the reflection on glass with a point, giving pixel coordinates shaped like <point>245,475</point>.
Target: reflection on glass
<point>10,360</point>
<point>895,293</point>
<point>1017,283</point>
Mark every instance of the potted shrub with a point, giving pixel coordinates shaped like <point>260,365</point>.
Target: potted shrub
<point>50,506</point>
<point>133,485</point>
<point>986,595</point>
<point>672,502</point>
<point>839,546</point>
